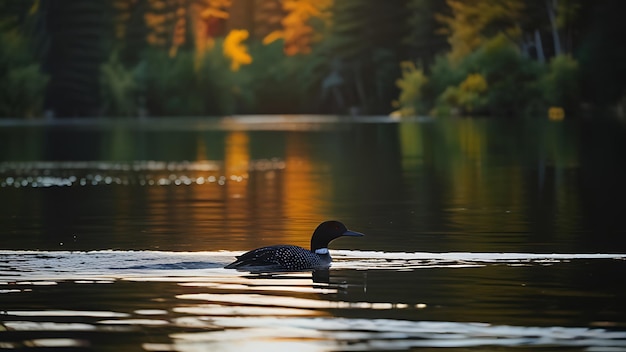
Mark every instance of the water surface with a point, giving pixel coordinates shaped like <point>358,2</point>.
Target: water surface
<point>480,234</point>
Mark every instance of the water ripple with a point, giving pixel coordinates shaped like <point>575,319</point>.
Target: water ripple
<point>206,307</point>
<point>143,173</point>
<point>206,268</point>
<point>369,260</point>
<point>320,333</point>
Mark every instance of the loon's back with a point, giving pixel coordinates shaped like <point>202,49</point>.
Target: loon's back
<point>281,257</point>
<point>291,258</point>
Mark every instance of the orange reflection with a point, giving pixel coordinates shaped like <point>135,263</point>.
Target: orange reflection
<point>251,202</point>
<point>237,160</point>
<point>304,191</point>
<point>236,164</point>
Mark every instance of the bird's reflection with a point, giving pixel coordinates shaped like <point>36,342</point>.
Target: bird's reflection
<point>321,276</point>
<point>317,276</point>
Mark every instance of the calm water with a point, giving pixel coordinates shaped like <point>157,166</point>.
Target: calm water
<point>480,234</point>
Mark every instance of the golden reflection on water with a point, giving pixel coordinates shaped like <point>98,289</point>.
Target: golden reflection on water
<point>255,299</point>
<point>277,198</point>
<point>267,287</point>
<point>224,310</point>
<point>236,164</point>
<point>460,176</point>
<point>306,193</point>
<point>211,308</point>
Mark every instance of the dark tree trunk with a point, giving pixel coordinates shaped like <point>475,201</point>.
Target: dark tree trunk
<point>76,29</point>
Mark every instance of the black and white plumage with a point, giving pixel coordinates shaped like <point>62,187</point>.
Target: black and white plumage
<point>294,258</point>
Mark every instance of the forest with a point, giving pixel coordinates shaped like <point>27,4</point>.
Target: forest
<point>141,58</point>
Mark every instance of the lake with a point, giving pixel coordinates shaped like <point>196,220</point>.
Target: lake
<point>480,234</point>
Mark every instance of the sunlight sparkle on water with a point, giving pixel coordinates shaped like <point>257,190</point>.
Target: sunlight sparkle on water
<point>56,343</point>
<point>47,326</point>
<point>222,310</point>
<point>135,322</point>
<point>30,268</point>
<point>142,173</point>
<point>151,312</point>
<point>284,301</point>
<point>215,308</point>
<point>65,313</point>
<point>320,333</point>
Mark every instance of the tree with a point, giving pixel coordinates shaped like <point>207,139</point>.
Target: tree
<point>21,40</point>
<point>77,32</point>
<point>167,24</point>
<point>473,21</point>
<point>366,44</point>
<point>268,17</point>
<point>207,18</point>
<point>298,32</point>
<point>130,29</point>
<point>424,39</point>
<point>602,57</point>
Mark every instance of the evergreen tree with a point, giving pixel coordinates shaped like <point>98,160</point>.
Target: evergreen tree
<point>367,45</point>
<point>77,31</point>
<point>21,43</point>
<point>602,55</point>
<point>130,29</point>
<point>423,37</point>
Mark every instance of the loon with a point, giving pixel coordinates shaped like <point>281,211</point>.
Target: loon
<point>294,258</point>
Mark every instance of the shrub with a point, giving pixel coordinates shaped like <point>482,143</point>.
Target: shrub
<point>412,86</point>
<point>560,85</point>
<point>22,89</point>
<point>181,85</point>
<point>118,88</point>
<point>472,93</point>
<point>494,79</point>
<point>284,84</point>
<point>510,76</point>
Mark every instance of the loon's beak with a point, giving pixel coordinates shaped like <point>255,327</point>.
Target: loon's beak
<point>352,233</point>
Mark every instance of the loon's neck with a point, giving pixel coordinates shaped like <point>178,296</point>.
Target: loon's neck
<point>321,251</point>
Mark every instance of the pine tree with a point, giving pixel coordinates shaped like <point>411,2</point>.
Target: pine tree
<point>77,32</point>
<point>423,38</point>
<point>367,44</point>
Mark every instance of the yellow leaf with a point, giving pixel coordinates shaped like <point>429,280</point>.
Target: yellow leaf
<point>212,12</point>
<point>297,32</point>
<point>556,113</point>
<point>235,50</point>
<point>474,82</point>
<point>272,37</point>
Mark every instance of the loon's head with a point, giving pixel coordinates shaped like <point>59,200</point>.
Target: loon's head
<point>328,231</point>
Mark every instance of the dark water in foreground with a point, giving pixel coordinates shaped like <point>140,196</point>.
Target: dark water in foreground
<point>480,235</point>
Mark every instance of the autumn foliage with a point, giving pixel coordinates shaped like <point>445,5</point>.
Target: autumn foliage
<point>297,32</point>
<point>406,57</point>
<point>235,50</point>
